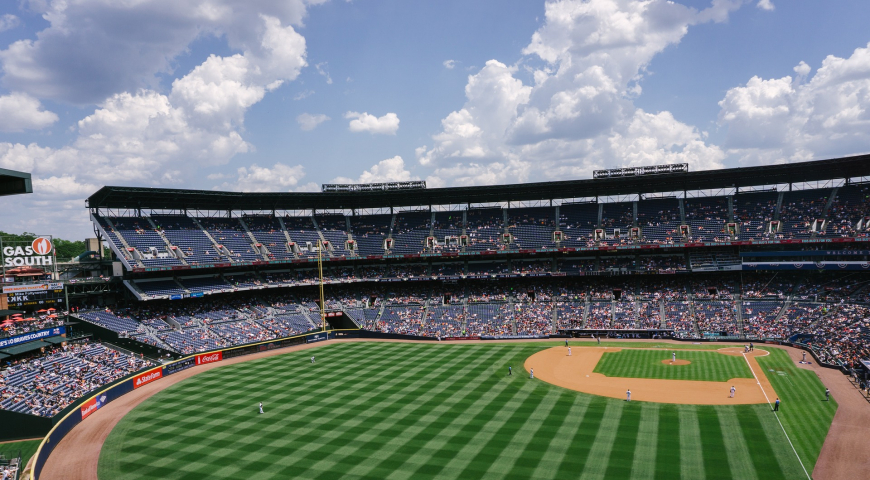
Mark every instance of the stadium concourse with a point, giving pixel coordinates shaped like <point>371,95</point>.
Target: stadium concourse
<point>763,254</point>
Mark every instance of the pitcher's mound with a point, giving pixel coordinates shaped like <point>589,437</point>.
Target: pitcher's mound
<point>677,362</point>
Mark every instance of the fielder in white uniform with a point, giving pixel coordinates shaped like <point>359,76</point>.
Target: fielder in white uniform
<point>261,407</point>
<point>732,391</point>
<point>628,395</point>
<point>673,357</point>
<point>312,359</point>
<point>569,351</point>
<point>532,373</point>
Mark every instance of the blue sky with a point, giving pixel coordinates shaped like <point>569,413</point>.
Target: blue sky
<point>279,96</point>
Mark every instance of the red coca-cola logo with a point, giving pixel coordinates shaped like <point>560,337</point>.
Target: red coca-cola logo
<point>209,358</point>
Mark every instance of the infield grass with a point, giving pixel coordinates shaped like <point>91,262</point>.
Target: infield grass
<point>409,411</point>
<point>709,366</point>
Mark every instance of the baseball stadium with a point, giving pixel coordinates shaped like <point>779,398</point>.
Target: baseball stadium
<point>647,323</point>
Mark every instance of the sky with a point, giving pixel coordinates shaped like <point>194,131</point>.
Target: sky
<point>258,95</point>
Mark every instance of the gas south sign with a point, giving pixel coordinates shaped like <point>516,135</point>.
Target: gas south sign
<point>37,253</point>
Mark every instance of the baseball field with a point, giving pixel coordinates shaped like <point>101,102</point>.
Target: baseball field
<point>400,410</point>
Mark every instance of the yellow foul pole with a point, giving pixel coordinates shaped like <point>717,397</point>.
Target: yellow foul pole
<point>320,270</point>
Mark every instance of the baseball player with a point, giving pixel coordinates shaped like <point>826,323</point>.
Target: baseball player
<point>312,359</point>
<point>531,373</point>
<point>805,358</point>
<point>628,395</point>
<point>827,394</point>
<point>510,371</point>
<point>569,351</point>
<point>733,389</point>
<point>776,405</point>
<point>673,357</point>
<point>261,407</point>
<point>566,342</point>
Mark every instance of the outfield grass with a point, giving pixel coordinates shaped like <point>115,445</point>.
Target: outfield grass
<point>27,447</point>
<point>396,411</point>
<point>803,411</point>
<point>710,366</point>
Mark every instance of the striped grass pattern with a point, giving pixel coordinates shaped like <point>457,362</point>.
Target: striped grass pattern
<point>804,412</point>
<point>710,366</point>
<point>409,411</point>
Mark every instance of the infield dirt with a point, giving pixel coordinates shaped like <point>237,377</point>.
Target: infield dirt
<point>676,362</point>
<point>575,372</point>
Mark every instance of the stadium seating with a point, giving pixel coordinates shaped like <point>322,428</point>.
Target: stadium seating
<point>229,233</point>
<point>757,216</point>
<point>45,384</point>
<point>182,232</point>
<point>531,227</point>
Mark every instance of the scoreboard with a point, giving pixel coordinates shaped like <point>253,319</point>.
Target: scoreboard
<point>26,297</point>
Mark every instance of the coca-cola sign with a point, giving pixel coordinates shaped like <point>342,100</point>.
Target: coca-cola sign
<point>148,377</point>
<point>209,358</point>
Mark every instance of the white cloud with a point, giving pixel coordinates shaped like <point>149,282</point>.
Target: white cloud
<point>449,64</point>
<point>152,138</point>
<point>93,49</point>
<point>802,69</point>
<point>65,186</point>
<point>363,122</point>
<point>788,119</point>
<point>765,5</point>
<point>19,112</point>
<point>309,122</point>
<point>278,178</point>
<point>587,61</point>
<point>389,170</point>
<point>303,95</point>
<point>321,69</point>
<point>8,22</point>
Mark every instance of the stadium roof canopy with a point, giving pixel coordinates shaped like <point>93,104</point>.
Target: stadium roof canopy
<point>174,199</point>
<point>14,183</point>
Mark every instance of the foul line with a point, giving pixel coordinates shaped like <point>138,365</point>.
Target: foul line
<point>776,415</point>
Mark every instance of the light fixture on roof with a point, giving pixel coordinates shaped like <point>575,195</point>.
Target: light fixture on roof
<point>638,171</point>
<point>372,187</point>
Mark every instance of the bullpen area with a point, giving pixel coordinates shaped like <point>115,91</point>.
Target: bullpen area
<point>402,410</point>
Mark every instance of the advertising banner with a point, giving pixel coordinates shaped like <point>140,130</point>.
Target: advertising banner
<point>18,253</point>
<point>29,337</point>
<point>147,377</point>
<point>178,366</point>
<point>317,337</point>
<point>35,287</point>
<point>92,406</point>
<point>209,358</point>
